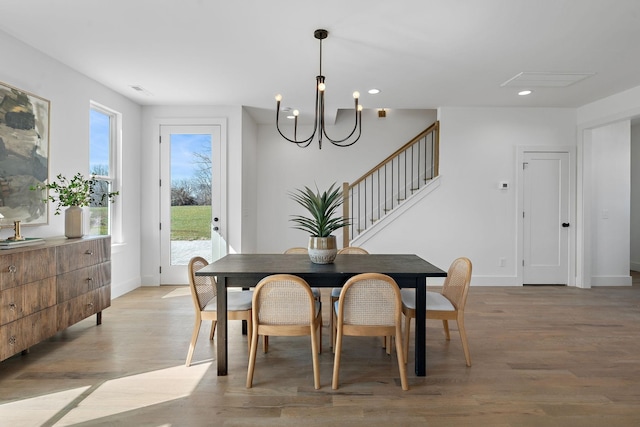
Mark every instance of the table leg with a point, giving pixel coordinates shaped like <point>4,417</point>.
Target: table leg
<point>221,332</point>
<point>420,338</point>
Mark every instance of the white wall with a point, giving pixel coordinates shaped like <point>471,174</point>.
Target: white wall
<point>152,118</point>
<point>249,183</point>
<point>467,215</point>
<point>617,108</point>
<point>283,167</point>
<point>635,197</point>
<point>610,181</point>
<point>70,94</point>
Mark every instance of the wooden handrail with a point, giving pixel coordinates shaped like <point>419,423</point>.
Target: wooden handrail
<point>434,130</point>
<point>435,127</point>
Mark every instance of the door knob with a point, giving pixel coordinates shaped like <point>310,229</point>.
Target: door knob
<point>565,224</point>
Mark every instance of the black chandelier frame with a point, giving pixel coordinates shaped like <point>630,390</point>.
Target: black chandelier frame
<point>319,121</point>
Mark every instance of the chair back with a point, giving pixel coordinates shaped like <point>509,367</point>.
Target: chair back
<point>283,299</point>
<point>370,299</point>
<point>353,250</point>
<point>203,289</point>
<point>297,250</point>
<point>456,285</point>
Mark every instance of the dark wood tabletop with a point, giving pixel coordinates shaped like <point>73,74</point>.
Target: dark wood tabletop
<point>243,269</point>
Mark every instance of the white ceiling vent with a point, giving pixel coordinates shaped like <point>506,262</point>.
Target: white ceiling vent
<point>140,89</point>
<point>544,79</point>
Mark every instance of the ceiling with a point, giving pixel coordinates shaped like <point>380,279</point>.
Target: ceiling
<point>419,53</point>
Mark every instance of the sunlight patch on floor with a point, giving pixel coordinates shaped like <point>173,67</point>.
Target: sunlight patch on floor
<point>135,392</point>
<point>36,411</point>
<point>178,292</point>
<point>110,398</point>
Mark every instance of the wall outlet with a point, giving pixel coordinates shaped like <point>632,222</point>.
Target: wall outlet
<point>502,262</point>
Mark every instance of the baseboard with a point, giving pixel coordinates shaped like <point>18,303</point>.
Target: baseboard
<point>120,289</point>
<point>611,281</point>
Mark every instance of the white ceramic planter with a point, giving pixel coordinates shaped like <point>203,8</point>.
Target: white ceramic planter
<point>322,250</point>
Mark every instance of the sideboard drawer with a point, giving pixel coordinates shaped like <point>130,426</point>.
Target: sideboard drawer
<point>78,282</point>
<point>28,266</point>
<point>25,300</point>
<point>81,307</point>
<point>27,331</point>
<point>82,254</point>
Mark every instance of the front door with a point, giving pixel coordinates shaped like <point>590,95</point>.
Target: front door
<point>546,180</point>
<point>190,198</point>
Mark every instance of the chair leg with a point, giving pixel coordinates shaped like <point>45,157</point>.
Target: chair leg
<point>402,367</point>
<point>192,344</point>
<point>407,330</point>
<point>320,334</point>
<point>213,329</point>
<point>315,335</point>
<point>333,324</point>
<point>463,337</point>
<point>445,324</point>
<point>265,343</point>
<point>252,356</point>
<point>336,360</point>
<point>249,335</point>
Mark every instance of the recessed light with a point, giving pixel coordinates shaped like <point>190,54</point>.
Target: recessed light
<point>524,92</point>
<point>374,91</point>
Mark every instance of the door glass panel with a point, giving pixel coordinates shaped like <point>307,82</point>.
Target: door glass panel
<point>191,218</point>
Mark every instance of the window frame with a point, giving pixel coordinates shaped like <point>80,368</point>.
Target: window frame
<point>115,170</point>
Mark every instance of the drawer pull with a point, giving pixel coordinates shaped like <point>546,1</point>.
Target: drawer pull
<point>90,305</point>
<point>12,339</point>
<point>12,306</point>
<point>89,252</point>
<point>12,269</point>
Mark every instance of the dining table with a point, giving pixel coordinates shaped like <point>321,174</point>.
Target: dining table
<point>246,270</point>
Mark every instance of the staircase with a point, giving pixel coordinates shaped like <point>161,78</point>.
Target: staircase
<point>391,183</point>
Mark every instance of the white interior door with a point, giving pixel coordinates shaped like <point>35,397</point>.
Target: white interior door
<point>546,178</point>
<point>191,191</point>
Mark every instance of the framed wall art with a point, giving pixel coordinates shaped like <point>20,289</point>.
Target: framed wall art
<point>24,155</point>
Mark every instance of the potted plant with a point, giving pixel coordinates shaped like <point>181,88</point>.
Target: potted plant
<point>74,194</point>
<point>321,221</point>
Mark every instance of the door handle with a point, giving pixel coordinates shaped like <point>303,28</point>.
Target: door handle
<point>565,224</point>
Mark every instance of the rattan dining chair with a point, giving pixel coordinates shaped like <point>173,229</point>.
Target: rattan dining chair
<point>369,305</point>
<point>335,292</point>
<point>283,305</point>
<point>445,306</point>
<point>203,293</point>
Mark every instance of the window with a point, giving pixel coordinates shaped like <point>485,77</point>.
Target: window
<point>104,141</point>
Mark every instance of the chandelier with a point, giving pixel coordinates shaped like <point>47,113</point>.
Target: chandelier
<point>319,122</point>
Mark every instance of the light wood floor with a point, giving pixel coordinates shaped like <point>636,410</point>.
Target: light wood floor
<point>542,356</point>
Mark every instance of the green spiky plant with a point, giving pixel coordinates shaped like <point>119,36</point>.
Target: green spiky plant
<point>322,208</point>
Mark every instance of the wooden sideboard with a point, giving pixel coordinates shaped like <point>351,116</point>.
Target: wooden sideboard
<point>48,287</point>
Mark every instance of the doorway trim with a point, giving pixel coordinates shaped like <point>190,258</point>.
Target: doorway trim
<point>153,237</point>
<point>521,150</point>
